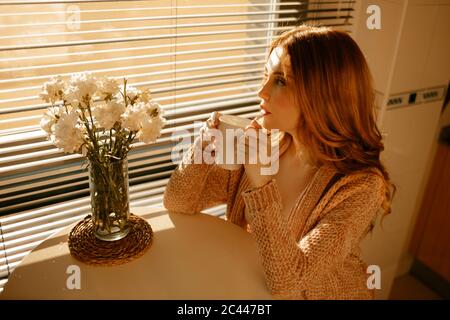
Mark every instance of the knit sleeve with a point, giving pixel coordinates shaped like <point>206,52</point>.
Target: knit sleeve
<point>289,266</point>
<point>194,187</point>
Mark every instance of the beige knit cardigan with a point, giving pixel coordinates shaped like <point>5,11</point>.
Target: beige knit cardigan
<point>311,254</point>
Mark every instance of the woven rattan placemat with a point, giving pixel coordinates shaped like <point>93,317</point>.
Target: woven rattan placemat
<point>85,247</point>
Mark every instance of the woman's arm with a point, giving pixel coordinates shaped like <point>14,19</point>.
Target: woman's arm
<point>194,187</point>
<point>290,266</point>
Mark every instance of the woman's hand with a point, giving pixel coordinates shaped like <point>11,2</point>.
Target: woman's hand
<point>211,123</point>
<point>204,148</point>
<point>254,170</point>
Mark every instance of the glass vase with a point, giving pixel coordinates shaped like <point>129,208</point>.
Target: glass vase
<point>108,184</point>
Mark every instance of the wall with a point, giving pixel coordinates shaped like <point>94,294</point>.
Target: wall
<point>409,52</point>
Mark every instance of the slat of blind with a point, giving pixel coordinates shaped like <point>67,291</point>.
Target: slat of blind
<point>136,38</point>
<point>18,2</point>
<point>20,149</point>
<point>39,236</point>
<point>137,57</point>
<point>130,39</point>
<point>6,270</point>
<point>2,284</point>
<point>170,17</point>
<point>152,83</point>
<point>214,43</point>
<point>17,257</point>
<point>151,28</point>
<point>222,5</point>
<point>153,9</point>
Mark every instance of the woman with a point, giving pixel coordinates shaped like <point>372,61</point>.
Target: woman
<point>308,218</point>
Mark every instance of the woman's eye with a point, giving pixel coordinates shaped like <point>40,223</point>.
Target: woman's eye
<point>278,80</point>
<point>281,81</point>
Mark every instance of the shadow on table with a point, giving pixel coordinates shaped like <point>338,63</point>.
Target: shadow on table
<point>194,257</point>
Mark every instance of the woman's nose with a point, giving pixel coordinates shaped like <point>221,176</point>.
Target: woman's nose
<point>263,92</point>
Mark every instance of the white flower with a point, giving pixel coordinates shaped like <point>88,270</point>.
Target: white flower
<point>71,97</point>
<point>133,116</point>
<point>153,109</point>
<point>66,122</point>
<point>119,98</point>
<point>151,129</point>
<point>145,96</point>
<point>108,114</point>
<point>107,87</point>
<point>53,89</point>
<point>152,122</point>
<point>132,93</point>
<point>140,114</point>
<point>82,88</point>
<point>68,134</point>
<point>50,118</point>
<point>73,141</point>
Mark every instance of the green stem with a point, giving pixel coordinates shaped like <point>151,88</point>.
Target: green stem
<point>110,194</point>
<point>125,91</point>
<point>130,138</point>
<point>90,133</point>
<point>117,142</point>
<point>110,141</point>
<point>90,113</point>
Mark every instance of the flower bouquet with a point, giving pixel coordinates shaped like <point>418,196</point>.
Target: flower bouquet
<point>98,118</point>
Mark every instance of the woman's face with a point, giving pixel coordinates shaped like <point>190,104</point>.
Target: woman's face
<point>277,94</point>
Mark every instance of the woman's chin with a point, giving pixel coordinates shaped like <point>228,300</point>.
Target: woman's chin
<point>266,123</point>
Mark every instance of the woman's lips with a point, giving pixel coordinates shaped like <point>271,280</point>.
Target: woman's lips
<point>264,110</point>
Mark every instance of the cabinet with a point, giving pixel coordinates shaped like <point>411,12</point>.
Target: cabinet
<point>431,238</point>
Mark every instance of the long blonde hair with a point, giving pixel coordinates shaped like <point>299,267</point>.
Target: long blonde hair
<point>336,98</point>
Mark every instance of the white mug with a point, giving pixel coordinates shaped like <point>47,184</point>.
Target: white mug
<point>230,127</point>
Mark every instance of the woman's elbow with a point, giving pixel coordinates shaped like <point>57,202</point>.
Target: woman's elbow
<point>175,204</point>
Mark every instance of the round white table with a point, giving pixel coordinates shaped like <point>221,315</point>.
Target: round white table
<point>192,257</point>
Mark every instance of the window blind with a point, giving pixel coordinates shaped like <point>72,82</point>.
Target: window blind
<point>195,56</point>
